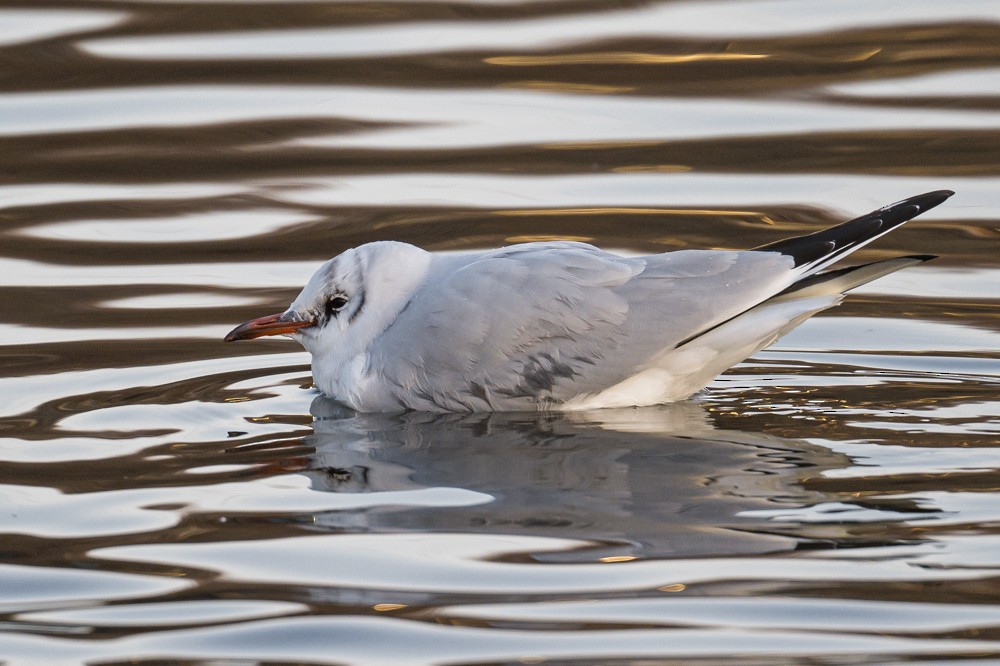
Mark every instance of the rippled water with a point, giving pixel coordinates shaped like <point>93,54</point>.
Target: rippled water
<point>169,169</point>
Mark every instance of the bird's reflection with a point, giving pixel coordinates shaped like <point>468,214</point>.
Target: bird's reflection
<point>650,482</point>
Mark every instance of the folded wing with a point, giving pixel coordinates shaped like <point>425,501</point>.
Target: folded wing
<point>542,324</point>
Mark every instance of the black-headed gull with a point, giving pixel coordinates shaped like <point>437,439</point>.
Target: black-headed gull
<point>561,325</point>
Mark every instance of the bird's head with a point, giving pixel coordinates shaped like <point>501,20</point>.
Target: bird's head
<point>349,301</point>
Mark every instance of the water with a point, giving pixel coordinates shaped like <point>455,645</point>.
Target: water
<point>169,170</point>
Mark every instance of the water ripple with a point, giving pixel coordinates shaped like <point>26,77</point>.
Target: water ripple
<point>170,169</point>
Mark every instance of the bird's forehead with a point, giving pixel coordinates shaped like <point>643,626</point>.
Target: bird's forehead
<point>317,286</point>
<point>328,272</point>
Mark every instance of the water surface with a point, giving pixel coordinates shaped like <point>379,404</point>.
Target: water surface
<point>170,169</point>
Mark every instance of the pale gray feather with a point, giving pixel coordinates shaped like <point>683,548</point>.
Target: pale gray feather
<point>541,323</point>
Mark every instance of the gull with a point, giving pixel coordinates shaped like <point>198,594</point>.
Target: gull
<point>562,325</point>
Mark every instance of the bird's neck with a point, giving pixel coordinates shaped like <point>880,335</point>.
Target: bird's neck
<point>340,368</point>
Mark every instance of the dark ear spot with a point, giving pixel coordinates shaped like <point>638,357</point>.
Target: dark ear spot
<point>360,300</point>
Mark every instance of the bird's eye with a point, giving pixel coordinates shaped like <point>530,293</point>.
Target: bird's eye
<point>335,304</point>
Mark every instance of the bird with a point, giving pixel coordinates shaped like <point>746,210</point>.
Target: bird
<point>562,325</point>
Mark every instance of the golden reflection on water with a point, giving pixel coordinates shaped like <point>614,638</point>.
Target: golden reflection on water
<point>652,168</point>
<point>567,87</point>
<point>617,58</point>
<point>538,238</point>
<point>763,219</point>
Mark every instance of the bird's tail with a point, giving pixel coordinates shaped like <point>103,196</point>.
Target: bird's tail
<point>843,280</point>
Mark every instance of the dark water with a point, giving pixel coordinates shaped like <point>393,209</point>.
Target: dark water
<point>169,169</point>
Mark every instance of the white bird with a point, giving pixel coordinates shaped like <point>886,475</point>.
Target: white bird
<point>561,325</point>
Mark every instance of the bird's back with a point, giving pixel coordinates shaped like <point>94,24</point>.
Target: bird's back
<point>542,324</point>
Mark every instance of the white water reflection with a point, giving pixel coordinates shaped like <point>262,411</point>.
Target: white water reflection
<point>206,226</point>
<point>965,83</point>
<point>13,196</point>
<point>45,513</point>
<point>459,118</point>
<point>665,19</point>
<point>14,334</point>
<point>180,301</point>
<point>387,640</point>
<point>937,282</point>
<point>170,613</point>
<point>805,614</point>
<point>22,587</point>
<point>882,334</point>
<point>883,459</point>
<point>22,272</point>
<point>21,26</point>
<point>23,393</point>
<point>852,194</point>
<point>458,563</point>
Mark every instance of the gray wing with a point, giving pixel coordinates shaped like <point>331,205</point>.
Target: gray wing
<point>544,322</point>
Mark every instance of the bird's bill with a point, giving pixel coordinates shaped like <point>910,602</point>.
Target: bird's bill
<point>269,325</point>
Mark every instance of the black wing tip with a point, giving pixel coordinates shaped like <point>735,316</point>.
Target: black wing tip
<point>921,257</point>
<point>901,211</point>
<point>834,242</point>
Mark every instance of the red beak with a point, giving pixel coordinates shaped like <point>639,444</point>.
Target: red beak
<point>269,325</point>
